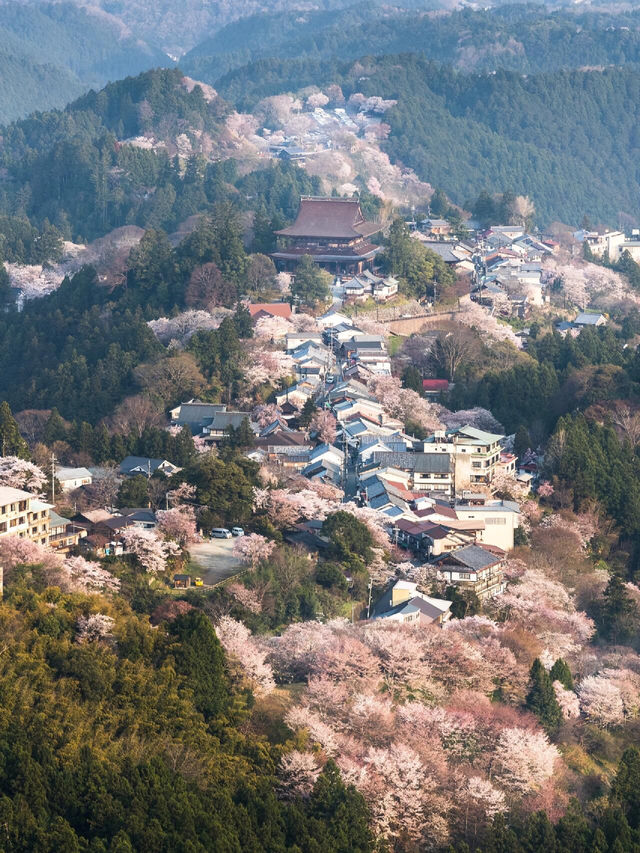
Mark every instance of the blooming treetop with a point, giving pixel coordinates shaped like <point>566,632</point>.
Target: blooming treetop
<point>151,551</point>
<point>245,650</point>
<point>252,549</point>
<point>19,474</point>
<point>179,525</point>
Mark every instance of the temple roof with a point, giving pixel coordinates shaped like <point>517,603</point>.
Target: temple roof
<point>332,218</point>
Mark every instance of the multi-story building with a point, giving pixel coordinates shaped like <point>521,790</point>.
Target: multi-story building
<point>334,232</point>
<point>419,472</point>
<point>25,515</point>
<point>476,454</point>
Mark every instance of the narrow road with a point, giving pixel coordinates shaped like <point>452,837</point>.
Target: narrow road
<point>216,560</point>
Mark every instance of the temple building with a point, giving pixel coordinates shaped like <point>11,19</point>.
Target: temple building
<point>334,232</point>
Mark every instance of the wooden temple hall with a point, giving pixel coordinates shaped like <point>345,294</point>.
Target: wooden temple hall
<point>334,232</point>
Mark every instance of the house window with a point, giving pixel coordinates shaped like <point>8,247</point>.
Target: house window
<point>495,521</point>
<point>3,527</point>
<point>14,522</point>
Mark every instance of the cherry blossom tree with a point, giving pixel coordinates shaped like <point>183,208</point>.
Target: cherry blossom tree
<point>545,489</point>
<point>16,551</point>
<point>19,474</point>
<point>297,774</point>
<point>524,760</point>
<point>184,326</point>
<point>268,367</point>
<point>88,576</point>
<point>482,801</point>
<point>248,598</point>
<point>405,404</point>
<point>96,626</point>
<point>265,414</point>
<point>245,651</point>
<point>568,701</point>
<point>324,423</point>
<point>183,494</point>
<point>253,548</point>
<point>178,524</point>
<point>601,701</point>
<point>151,551</point>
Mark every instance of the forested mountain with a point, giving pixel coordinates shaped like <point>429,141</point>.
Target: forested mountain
<point>524,38</point>
<point>567,139</point>
<point>51,53</point>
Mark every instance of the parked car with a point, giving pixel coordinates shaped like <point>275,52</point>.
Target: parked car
<point>220,533</point>
<point>199,582</point>
<point>237,531</point>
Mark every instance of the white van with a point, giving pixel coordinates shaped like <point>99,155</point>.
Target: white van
<point>220,533</point>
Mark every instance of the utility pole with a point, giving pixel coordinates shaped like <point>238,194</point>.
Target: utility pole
<point>369,601</point>
<point>53,478</point>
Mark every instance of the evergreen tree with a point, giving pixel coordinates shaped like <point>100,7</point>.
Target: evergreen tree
<point>199,658</point>
<point>183,447</point>
<point>541,698</point>
<point>521,442</point>
<point>560,672</point>
<point>412,378</point>
<point>625,788</point>
<point>307,413</point>
<point>311,284</point>
<point>134,492</point>
<point>617,616</point>
<point>11,442</point>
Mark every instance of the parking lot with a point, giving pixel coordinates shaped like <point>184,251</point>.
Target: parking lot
<point>216,560</point>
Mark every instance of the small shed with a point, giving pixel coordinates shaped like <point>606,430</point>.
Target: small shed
<point>181,581</point>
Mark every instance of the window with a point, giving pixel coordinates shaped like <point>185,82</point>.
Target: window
<point>495,521</point>
<point>3,527</point>
<point>14,522</point>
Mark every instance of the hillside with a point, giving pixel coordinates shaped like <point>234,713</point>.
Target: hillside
<point>567,139</point>
<point>51,53</point>
<point>524,38</point>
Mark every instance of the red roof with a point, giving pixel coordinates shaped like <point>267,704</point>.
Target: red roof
<point>435,384</point>
<point>273,309</point>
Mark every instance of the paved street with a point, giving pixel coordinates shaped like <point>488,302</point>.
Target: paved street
<point>216,560</point>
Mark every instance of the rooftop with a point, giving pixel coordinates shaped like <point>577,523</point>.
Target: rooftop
<point>330,217</point>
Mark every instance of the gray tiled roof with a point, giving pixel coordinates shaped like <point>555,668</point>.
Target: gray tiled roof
<point>422,463</point>
<point>471,556</point>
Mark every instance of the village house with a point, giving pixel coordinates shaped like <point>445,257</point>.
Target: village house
<point>425,472</point>
<point>333,231</point>
<point>500,519</point>
<point>134,465</point>
<point>474,568</point>
<point>25,515</point>
<point>259,310</point>
<point>64,534</point>
<point>73,478</point>
<point>211,421</point>
<point>402,602</point>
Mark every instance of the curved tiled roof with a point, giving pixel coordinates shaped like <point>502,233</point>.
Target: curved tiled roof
<point>330,217</point>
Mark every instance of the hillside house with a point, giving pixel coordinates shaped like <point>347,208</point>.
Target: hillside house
<point>474,568</point>
<point>402,602</point>
<point>73,478</point>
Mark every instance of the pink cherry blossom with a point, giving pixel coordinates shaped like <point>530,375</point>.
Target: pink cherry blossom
<point>19,474</point>
<point>151,551</point>
<point>179,525</point>
<point>253,548</point>
<point>524,760</point>
<point>297,774</point>
<point>96,626</point>
<point>242,648</point>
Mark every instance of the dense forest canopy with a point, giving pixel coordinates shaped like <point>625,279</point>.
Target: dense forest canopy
<point>51,53</point>
<point>519,37</point>
<point>568,139</point>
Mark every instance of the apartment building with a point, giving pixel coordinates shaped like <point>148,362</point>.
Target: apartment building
<point>25,515</point>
